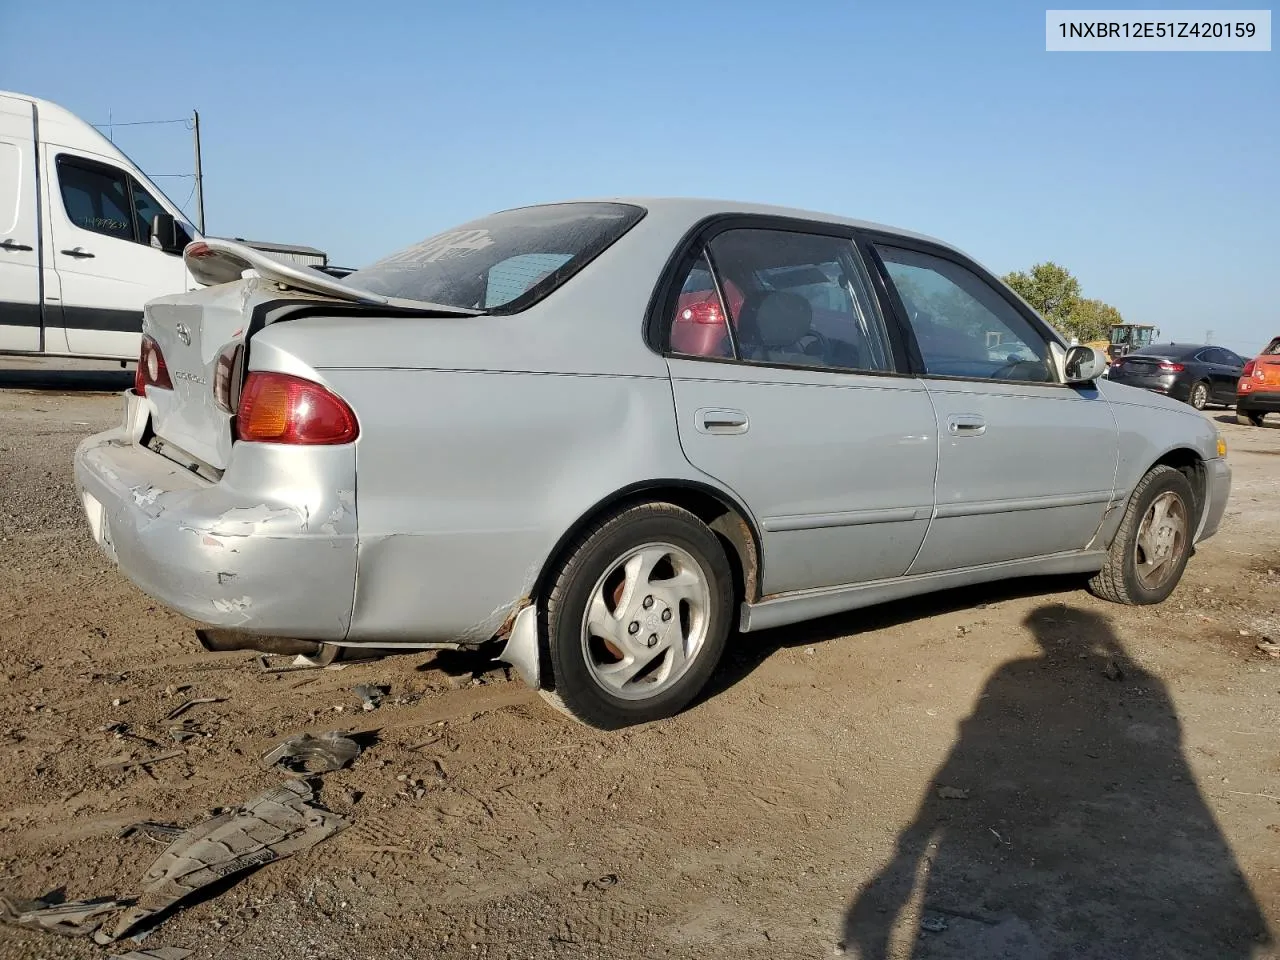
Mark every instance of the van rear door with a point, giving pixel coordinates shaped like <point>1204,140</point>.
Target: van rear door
<point>19,228</point>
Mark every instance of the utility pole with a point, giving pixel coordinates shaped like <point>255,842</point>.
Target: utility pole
<point>199,174</point>
<point>1208,336</point>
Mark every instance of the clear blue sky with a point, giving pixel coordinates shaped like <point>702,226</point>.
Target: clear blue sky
<point>360,127</point>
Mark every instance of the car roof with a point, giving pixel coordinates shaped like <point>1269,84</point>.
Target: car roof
<point>1171,349</point>
<point>694,209</point>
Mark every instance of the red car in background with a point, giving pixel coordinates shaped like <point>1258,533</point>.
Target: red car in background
<point>1258,390</point>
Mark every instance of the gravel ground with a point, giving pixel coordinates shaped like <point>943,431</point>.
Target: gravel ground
<point>1018,771</point>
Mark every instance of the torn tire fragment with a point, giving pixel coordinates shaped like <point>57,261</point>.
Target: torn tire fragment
<point>74,918</point>
<point>303,753</point>
<point>274,825</point>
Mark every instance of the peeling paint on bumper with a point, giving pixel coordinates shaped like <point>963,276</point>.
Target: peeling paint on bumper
<point>270,549</point>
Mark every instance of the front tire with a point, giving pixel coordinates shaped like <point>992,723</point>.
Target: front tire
<point>1199,396</point>
<point>1152,546</point>
<point>638,617</point>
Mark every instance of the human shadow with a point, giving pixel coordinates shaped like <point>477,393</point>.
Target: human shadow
<point>1064,823</point>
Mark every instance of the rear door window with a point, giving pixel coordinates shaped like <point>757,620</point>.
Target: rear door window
<point>501,263</point>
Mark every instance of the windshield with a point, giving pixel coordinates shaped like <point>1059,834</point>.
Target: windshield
<point>500,263</point>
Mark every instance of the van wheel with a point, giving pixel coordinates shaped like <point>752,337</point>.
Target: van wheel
<point>1199,397</point>
<point>1151,548</point>
<point>638,617</point>
<point>1249,419</point>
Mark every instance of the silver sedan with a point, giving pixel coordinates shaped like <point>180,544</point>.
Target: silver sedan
<point>598,438</point>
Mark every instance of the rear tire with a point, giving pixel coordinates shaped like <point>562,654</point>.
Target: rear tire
<point>1249,419</point>
<point>638,616</point>
<point>1199,395</point>
<point>1152,546</point>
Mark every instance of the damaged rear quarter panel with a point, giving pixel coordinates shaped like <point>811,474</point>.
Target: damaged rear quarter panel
<point>468,479</point>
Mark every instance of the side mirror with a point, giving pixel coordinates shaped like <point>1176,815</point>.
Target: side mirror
<point>1084,364</point>
<point>167,234</point>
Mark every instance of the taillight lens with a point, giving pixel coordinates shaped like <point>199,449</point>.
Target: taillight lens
<point>227,376</point>
<point>1168,367</point>
<point>1248,369</point>
<point>278,408</point>
<point>151,371</point>
<point>708,311</point>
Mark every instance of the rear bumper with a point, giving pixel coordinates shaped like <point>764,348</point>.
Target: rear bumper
<point>1217,492</point>
<point>1259,401</point>
<point>270,549</point>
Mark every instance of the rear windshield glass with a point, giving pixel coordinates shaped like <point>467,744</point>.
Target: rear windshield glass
<point>1272,349</point>
<point>504,262</point>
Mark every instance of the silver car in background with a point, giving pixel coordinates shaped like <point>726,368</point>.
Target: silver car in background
<point>599,437</point>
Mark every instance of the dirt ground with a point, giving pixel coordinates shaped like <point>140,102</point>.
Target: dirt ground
<point>1020,771</point>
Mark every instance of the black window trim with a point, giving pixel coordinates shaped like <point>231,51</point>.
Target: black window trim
<point>893,303</point>
<point>656,326</point>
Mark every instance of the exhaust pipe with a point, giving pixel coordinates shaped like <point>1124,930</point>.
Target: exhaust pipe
<point>217,640</point>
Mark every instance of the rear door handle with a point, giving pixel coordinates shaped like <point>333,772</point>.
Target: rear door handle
<point>80,253</point>
<point>719,420</point>
<point>966,425</point>
<point>14,245</point>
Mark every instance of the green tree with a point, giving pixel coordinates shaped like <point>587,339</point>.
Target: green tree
<point>1051,289</point>
<point>1092,320</point>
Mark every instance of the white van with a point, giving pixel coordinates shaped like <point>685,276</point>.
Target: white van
<point>85,238</point>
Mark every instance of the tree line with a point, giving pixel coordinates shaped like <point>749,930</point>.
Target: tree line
<point>1056,295</point>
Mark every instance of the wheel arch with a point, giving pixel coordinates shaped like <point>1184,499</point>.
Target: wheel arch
<point>1188,462</point>
<point>728,519</point>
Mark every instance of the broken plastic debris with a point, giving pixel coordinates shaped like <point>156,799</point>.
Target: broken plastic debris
<point>73,918</point>
<point>162,832</point>
<point>274,825</point>
<point>933,924</point>
<point>120,766</point>
<point>371,694</point>
<point>184,707</point>
<point>303,753</point>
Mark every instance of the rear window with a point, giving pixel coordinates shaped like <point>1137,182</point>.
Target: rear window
<point>1272,349</point>
<point>501,263</point>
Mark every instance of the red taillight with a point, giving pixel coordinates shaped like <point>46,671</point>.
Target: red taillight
<point>151,371</point>
<point>1168,367</point>
<point>1248,369</point>
<point>708,311</point>
<point>278,408</point>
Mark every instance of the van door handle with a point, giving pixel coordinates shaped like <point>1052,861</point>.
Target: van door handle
<point>80,253</point>
<point>716,420</point>
<point>966,425</point>
<point>14,245</point>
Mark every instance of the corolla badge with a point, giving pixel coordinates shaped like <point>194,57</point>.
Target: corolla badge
<point>184,334</point>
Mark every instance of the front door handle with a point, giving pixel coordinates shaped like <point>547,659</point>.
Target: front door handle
<point>80,253</point>
<point>719,420</point>
<point>966,425</point>
<point>14,245</point>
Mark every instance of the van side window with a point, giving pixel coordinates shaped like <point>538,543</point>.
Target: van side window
<point>145,209</point>
<point>96,198</point>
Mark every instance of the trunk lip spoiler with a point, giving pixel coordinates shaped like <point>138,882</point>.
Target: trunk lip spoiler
<point>214,261</point>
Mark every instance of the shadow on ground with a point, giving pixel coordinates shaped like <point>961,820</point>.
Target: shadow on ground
<point>1272,420</point>
<point>1064,822</point>
<point>66,381</point>
<point>748,651</point>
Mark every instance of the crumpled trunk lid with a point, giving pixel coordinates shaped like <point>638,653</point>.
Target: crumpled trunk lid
<point>194,332</point>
